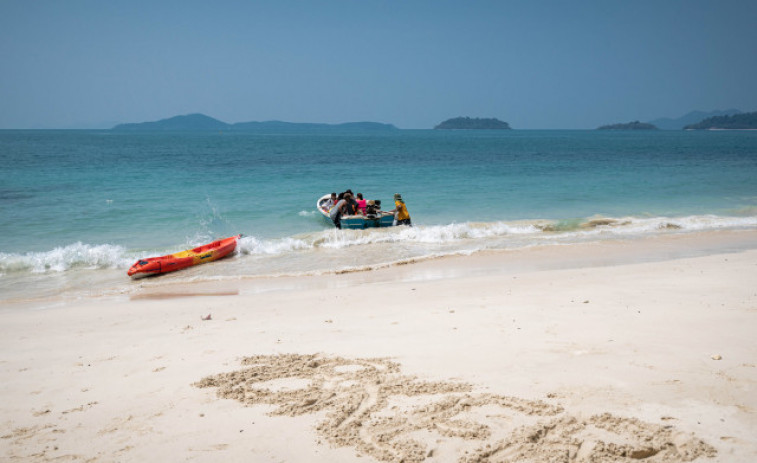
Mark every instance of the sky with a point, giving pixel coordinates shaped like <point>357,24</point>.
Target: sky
<point>534,64</point>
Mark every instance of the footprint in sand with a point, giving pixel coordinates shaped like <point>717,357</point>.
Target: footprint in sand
<point>371,406</point>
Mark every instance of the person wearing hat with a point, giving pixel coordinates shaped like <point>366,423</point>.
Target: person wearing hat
<point>401,216</point>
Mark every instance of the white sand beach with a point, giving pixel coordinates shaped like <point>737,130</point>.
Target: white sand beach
<point>613,351</point>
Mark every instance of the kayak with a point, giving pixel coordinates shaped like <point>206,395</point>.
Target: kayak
<point>180,260</point>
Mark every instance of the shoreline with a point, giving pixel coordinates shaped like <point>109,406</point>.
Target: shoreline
<point>81,270</point>
<point>605,342</point>
<point>536,257</point>
<point>606,253</point>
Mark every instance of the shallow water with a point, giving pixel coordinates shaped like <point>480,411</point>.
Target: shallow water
<point>79,207</point>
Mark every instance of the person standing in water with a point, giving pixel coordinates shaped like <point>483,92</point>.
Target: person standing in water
<point>401,216</point>
<point>351,208</point>
<point>338,210</point>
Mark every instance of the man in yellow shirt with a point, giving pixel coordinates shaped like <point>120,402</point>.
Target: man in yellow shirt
<point>401,216</point>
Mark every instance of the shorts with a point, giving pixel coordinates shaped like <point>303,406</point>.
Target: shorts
<point>405,222</point>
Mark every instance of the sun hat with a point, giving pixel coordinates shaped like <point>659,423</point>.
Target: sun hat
<point>397,197</point>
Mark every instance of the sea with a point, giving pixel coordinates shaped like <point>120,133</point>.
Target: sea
<point>78,207</point>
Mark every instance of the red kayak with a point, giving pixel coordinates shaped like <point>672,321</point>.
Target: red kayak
<point>200,255</point>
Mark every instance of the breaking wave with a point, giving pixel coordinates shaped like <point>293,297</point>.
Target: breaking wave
<point>418,241</point>
<point>531,232</point>
<point>77,255</point>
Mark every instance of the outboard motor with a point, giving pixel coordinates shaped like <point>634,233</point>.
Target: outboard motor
<point>372,208</point>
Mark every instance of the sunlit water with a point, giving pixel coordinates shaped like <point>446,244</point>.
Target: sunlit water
<point>77,208</point>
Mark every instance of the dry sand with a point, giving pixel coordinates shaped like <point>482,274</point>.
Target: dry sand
<point>593,353</point>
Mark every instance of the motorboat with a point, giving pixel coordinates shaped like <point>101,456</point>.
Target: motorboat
<point>373,217</point>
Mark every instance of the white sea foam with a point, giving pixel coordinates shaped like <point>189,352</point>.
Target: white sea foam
<point>252,245</point>
<point>60,259</point>
<point>464,236</point>
<point>523,231</point>
<point>308,213</point>
<point>382,244</point>
<point>644,226</point>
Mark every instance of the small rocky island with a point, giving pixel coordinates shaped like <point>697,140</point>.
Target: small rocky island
<point>635,125</point>
<point>467,123</point>
<point>743,121</point>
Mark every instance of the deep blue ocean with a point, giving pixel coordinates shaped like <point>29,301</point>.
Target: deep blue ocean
<point>77,208</point>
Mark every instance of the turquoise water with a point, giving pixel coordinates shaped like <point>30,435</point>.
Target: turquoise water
<point>78,207</point>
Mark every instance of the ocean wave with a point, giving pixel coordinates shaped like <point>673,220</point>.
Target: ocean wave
<point>60,259</point>
<point>251,245</point>
<point>647,225</point>
<point>746,210</point>
<point>538,230</point>
<point>424,240</point>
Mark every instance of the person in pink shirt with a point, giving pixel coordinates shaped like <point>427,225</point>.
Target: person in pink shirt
<point>361,203</point>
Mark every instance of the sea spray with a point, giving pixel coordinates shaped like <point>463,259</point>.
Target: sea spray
<point>251,245</point>
<point>61,259</point>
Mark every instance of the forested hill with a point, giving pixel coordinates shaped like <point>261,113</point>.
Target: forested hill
<point>666,123</point>
<point>735,122</point>
<point>188,122</point>
<point>635,125</point>
<point>473,123</point>
<point>201,122</point>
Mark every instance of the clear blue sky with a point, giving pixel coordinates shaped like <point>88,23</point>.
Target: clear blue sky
<point>535,64</point>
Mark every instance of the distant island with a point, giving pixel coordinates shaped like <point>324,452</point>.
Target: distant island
<point>635,125</point>
<point>188,122</point>
<point>467,123</point>
<point>201,122</point>
<point>742,121</point>
<point>693,117</point>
